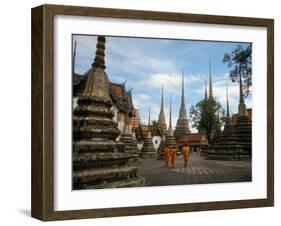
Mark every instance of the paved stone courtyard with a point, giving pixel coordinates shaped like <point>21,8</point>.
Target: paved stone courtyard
<point>198,171</point>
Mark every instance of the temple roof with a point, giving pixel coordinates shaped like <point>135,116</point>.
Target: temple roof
<point>120,97</point>
<point>194,139</point>
<point>142,131</point>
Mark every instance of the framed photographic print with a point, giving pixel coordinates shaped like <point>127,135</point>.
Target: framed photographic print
<point>141,112</point>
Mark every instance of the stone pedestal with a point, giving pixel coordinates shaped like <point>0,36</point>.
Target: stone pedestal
<point>243,129</point>
<point>225,147</point>
<point>130,145</point>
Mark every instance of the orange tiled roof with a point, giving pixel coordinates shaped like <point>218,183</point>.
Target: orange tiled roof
<point>117,90</point>
<point>194,139</point>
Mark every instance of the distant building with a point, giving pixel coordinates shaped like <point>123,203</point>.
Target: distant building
<point>194,140</point>
<point>156,134</point>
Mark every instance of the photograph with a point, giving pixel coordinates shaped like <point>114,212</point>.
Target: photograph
<point>160,112</point>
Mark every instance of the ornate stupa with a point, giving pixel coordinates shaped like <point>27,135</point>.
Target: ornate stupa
<point>161,117</point>
<point>170,138</point>
<point>243,127</point>
<point>148,151</point>
<point>127,139</point>
<point>99,161</point>
<point>182,127</point>
<point>225,145</point>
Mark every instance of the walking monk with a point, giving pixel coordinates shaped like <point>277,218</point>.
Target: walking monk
<point>173,155</point>
<point>185,153</point>
<point>198,151</point>
<point>166,151</point>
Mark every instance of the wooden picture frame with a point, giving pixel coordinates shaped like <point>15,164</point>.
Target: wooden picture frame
<point>43,120</point>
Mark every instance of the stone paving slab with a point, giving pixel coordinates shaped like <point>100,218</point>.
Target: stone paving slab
<point>198,171</point>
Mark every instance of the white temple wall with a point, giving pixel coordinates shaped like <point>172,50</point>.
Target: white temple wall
<point>156,140</point>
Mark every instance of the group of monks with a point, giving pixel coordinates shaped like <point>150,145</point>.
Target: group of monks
<point>170,155</point>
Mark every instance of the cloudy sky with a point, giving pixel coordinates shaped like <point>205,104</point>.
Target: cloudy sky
<point>147,63</point>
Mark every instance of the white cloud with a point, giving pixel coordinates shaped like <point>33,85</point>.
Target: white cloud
<point>171,81</point>
<point>219,92</point>
<point>139,100</point>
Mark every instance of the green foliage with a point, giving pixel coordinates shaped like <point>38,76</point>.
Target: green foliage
<point>154,122</point>
<point>240,63</point>
<point>204,116</point>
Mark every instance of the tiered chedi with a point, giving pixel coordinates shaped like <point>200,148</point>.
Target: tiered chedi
<point>99,161</point>
<point>243,127</point>
<point>225,146</point>
<point>182,127</point>
<point>170,138</point>
<point>127,139</point>
<point>148,151</point>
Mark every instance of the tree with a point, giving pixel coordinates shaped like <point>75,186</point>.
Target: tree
<point>204,116</point>
<point>154,122</point>
<point>240,63</point>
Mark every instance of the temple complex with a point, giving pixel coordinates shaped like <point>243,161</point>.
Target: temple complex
<point>182,127</point>
<point>99,160</point>
<point>148,150</point>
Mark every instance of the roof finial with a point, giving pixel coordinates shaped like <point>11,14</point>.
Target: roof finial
<point>99,58</point>
<point>210,81</point>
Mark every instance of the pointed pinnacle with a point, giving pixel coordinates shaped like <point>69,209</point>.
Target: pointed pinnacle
<point>210,81</point>
<point>182,89</point>
<point>162,98</point>
<point>99,58</point>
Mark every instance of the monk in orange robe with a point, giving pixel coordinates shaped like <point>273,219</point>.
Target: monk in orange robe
<point>198,151</point>
<point>173,156</point>
<point>186,154</point>
<point>166,151</point>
